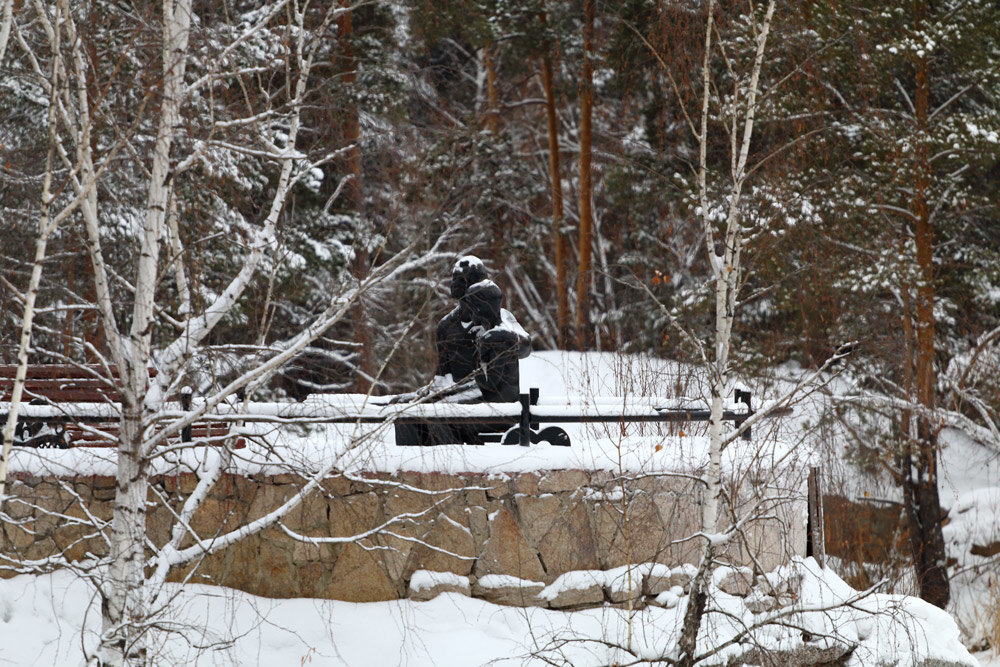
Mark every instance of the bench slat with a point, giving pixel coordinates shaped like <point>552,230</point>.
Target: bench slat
<point>55,384</point>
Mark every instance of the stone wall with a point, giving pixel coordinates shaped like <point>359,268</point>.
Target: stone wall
<point>532,527</point>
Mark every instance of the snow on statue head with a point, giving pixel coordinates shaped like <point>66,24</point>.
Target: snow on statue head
<point>468,270</point>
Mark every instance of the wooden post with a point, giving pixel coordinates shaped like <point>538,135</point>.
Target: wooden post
<point>816,540</point>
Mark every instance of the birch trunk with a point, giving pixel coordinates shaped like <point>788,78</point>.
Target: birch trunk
<point>726,270</point>
<point>123,609</point>
<point>45,228</point>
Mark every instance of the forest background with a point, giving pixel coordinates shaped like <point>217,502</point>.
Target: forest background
<point>559,142</point>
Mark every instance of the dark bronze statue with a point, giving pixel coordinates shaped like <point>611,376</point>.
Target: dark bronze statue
<point>480,341</point>
<point>479,344</point>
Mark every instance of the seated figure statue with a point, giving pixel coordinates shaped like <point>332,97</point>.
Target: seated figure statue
<point>479,343</point>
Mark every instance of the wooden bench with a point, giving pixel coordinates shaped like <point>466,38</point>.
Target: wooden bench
<point>523,427</point>
<point>81,406</point>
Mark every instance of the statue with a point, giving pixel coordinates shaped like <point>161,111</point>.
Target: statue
<point>479,341</point>
<point>479,344</point>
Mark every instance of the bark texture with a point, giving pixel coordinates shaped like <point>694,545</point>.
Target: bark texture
<point>583,333</point>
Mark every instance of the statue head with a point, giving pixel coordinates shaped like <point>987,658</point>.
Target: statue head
<point>468,271</point>
<point>482,300</point>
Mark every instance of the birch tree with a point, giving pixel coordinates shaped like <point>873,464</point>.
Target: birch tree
<point>724,225</point>
<point>157,315</point>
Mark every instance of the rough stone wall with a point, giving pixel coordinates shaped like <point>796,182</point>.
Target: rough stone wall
<point>532,526</point>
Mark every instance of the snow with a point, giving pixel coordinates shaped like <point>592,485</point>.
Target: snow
<point>505,581</point>
<point>54,615</point>
<point>425,579</point>
<point>452,629</point>
<point>569,383</point>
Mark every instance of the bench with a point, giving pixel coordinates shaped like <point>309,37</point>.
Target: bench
<point>66,406</point>
<point>523,426</point>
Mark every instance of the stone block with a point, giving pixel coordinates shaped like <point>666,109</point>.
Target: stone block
<point>354,514</point>
<point>526,483</point>
<point>679,518</point>
<point>507,552</point>
<point>474,497</point>
<point>621,587</point>
<point>285,479</point>
<point>479,526</point>
<point>310,552</point>
<point>279,575</point>
<point>433,481</point>
<point>426,585</point>
<point>337,485</point>
<point>496,487</point>
<point>733,581</point>
<point>405,501</point>
<point>311,514</point>
<point>804,656</point>
<point>267,498</point>
<point>591,595</point>
<point>537,514</point>
<point>569,543</point>
<point>656,580</point>
<point>668,599</point>
<point>159,522</point>
<point>16,538</point>
<point>557,481</point>
<point>236,566</point>
<point>635,537</point>
<point>681,576</point>
<point>358,576</point>
<point>446,547</point>
<point>507,590</point>
<point>18,508</point>
<point>313,578</point>
<point>213,517</point>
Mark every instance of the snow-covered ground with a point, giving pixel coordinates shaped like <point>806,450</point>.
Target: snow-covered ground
<point>41,620</point>
<point>41,617</point>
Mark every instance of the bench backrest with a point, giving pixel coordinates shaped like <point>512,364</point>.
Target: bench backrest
<point>63,383</point>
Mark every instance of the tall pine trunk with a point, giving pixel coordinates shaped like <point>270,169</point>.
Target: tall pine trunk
<point>921,498</point>
<point>583,281</point>
<point>555,179</point>
<point>360,266</point>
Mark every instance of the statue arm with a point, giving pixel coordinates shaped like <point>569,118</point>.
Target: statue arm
<point>509,323</point>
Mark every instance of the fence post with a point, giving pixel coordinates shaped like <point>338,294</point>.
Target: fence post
<point>816,540</point>
<point>186,406</point>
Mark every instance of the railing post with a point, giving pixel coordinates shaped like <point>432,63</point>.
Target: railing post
<point>525,425</point>
<point>744,398</point>
<point>816,540</point>
<point>186,406</point>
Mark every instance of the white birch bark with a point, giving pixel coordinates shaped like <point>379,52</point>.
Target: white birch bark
<point>125,590</point>
<point>46,225</point>
<point>123,606</point>
<point>6,19</point>
<point>726,268</point>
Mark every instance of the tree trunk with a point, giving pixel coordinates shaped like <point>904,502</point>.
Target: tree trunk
<point>492,95</point>
<point>583,333</point>
<point>123,594</point>
<point>555,179</point>
<point>360,266</point>
<point>123,605</point>
<point>923,504</point>
<point>45,229</point>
